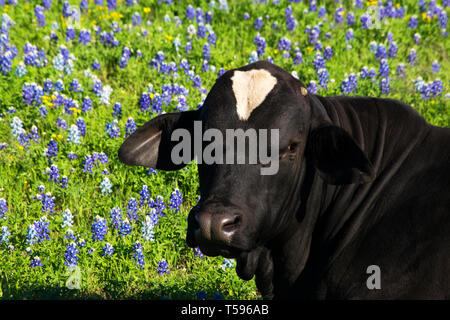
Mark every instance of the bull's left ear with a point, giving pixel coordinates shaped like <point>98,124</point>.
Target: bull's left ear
<point>337,156</point>
<point>151,145</point>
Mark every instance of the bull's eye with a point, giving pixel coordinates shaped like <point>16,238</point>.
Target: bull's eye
<point>293,147</point>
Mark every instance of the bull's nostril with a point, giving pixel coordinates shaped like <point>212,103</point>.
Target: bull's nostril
<point>231,224</point>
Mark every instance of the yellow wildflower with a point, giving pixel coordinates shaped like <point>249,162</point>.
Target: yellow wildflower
<point>147,10</point>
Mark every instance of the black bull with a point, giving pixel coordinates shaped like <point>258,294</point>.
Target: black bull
<point>362,182</point>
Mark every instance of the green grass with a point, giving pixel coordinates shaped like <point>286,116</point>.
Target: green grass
<point>21,169</point>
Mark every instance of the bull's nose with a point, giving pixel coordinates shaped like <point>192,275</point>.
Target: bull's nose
<point>216,227</point>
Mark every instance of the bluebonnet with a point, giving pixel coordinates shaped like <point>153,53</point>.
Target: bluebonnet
<point>3,208</point>
<point>159,205</point>
<point>105,186</point>
<point>85,36</point>
<point>163,267</point>
<point>71,34</point>
<point>175,200</point>
<point>53,173</point>
<point>384,85</point>
<point>350,19</point>
<point>400,71</point>
<point>349,84</point>
<point>75,86</point>
<point>86,105</point>
<point>298,57</point>
<point>4,236</point>
<point>38,231</point>
<point>145,101</point>
<point>109,39</point>
<point>112,129</point>
<point>6,62</point>
<point>435,67</point>
<point>40,17</point>
<point>84,5</point>
<point>312,87</point>
<point>381,52</point>
<point>130,126</point>
<point>366,21</point>
<point>124,228</point>
<point>36,262</point>
<point>99,229</point>
<point>111,4</point>
<point>115,217</point>
<point>126,54</point>
<point>108,249</point>
<point>153,216</point>
<point>105,95</point>
<point>436,87</point>
<point>138,255</point>
<point>21,69</point>
<point>260,45</point>
<point>34,134</point>
<point>132,209</point>
<point>52,149</point>
<point>46,4</point>
<point>323,77</point>
<point>16,127</point>
<point>147,229</point>
<point>319,61</point>
<point>117,108</point>
<point>339,15</point>
<point>71,255</point>
<point>227,263</point>
<point>198,253</point>
<point>412,57</point>
<point>81,126</point>
<point>291,22</point>
<point>384,68</point>
<point>145,195</point>
<point>70,235</point>
<point>393,49</point>
<point>67,219</point>
<point>284,44</point>
<point>74,135</point>
<point>201,31</point>
<point>60,122</point>
<point>190,12</point>
<point>328,53</point>
<point>413,22</point>
<point>95,65</point>
<point>258,23</point>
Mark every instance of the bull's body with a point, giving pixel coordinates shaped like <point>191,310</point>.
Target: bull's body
<point>362,182</point>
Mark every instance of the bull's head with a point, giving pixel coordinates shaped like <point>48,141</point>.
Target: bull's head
<point>242,210</point>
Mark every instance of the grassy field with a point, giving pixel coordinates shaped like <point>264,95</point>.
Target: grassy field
<point>77,76</point>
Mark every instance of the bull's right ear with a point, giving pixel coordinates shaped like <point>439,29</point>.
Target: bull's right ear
<point>151,145</point>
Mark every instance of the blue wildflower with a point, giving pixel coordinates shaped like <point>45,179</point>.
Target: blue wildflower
<point>163,267</point>
<point>138,255</point>
<point>112,129</point>
<point>36,262</point>
<point>67,219</point>
<point>147,229</point>
<point>3,208</point>
<point>105,186</point>
<point>71,255</point>
<point>108,249</point>
<point>99,229</point>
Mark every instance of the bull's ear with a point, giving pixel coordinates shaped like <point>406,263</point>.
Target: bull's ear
<point>151,145</point>
<point>337,157</point>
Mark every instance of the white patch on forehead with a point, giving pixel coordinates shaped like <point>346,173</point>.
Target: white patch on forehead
<point>250,89</point>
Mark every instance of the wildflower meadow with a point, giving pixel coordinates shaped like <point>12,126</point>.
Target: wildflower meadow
<point>78,77</point>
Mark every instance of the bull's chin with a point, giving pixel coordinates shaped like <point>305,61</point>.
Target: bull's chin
<point>247,263</point>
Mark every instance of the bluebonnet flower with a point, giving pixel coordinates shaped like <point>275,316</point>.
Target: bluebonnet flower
<point>381,52</point>
<point>159,205</point>
<point>99,229</point>
<point>384,85</point>
<point>163,267</point>
<point>339,15</point>
<point>412,57</point>
<point>298,57</point>
<point>3,208</point>
<point>126,54</point>
<point>366,20</point>
<point>400,71</point>
<point>52,149</point>
<point>175,200</point>
<point>130,126</point>
<point>85,36</point>
<point>24,140</point>
<point>349,84</point>
<point>319,61</point>
<point>111,4</point>
<point>4,236</point>
<point>145,101</point>
<point>84,6</point>
<point>413,22</point>
<point>442,19</point>
<point>227,263</point>
<point>260,45</point>
<point>138,255</point>
<point>60,122</point>
<point>71,34</point>
<point>258,24</point>
<point>350,19</point>
<point>40,17</point>
<point>384,68</point>
<point>74,135</point>
<point>108,249</point>
<point>75,86</point>
<point>393,49</point>
<point>145,195</point>
<point>81,125</point>
<point>435,67</point>
<point>436,87</point>
<point>38,231</point>
<point>32,234</point>
<point>6,62</point>
<point>71,255</point>
<point>323,77</point>
<point>105,95</point>
<point>312,87</point>
<point>34,134</point>
<point>132,209</point>
<point>117,108</point>
<point>21,69</point>
<point>86,105</point>
<point>198,253</point>
<point>17,127</point>
<point>112,129</point>
<point>124,228</point>
<point>36,262</point>
<point>53,173</point>
<point>67,219</point>
<point>201,31</point>
<point>105,186</point>
<point>95,65</point>
<point>70,235</point>
<point>284,44</point>
<point>147,229</point>
<point>115,217</point>
<point>328,53</point>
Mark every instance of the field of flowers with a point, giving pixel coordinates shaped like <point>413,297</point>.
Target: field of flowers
<point>77,77</point>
